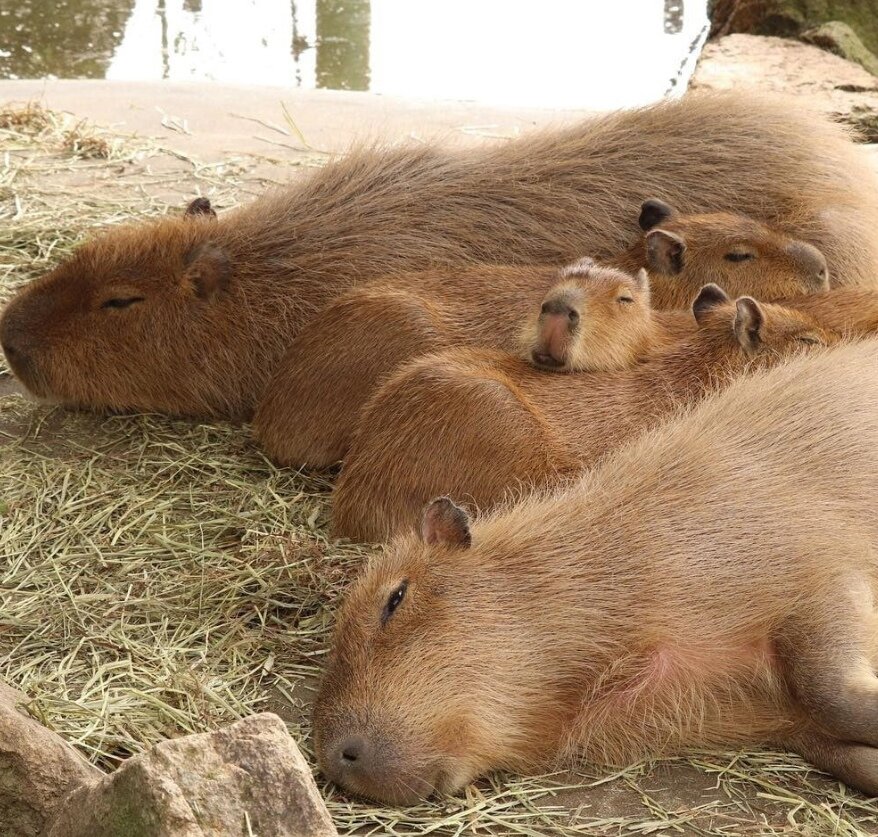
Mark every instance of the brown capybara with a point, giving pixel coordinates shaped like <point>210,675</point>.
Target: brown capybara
<point>710,585</point>
<point>683,253</point>
<point>190,315</point>
<point>599,320</point>
<point>311,404</point>
<point>481,425</point>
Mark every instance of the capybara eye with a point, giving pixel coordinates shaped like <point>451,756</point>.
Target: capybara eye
<point>809,340</point>
<point>739,256</point>
<point>394,601</point>
<point>626,300</point>
<point>121,302</point>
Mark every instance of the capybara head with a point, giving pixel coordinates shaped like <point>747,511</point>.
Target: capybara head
<point>685,252</point>
<point>596,318</point>
<point>763,330</point>
<point>414,700</point>
<point>142,317</point>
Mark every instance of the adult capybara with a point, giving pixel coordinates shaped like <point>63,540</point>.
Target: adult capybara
<point>711,584</point>
<point>190,315</point>
<point>311,404</point>
<point>481,424</point>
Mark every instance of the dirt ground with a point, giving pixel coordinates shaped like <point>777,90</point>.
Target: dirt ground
<point>87,649</point>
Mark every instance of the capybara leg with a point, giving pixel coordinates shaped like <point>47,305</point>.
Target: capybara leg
<point>311,405</point>
<point>855,764</point>
<point>827,658</point>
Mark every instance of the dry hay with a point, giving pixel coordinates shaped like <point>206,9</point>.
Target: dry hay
<point>161,577</point>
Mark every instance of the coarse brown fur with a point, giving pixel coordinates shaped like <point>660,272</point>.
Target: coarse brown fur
<point>711,584</point>
<point>481,424</point>
<point>310,406</point>
<point>219,300</point>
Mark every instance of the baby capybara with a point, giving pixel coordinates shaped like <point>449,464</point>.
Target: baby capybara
<point>482,425</point>
<point>311,404</point>
<point>190,315</point>
<point>711,585</point>
<point>597,320</point>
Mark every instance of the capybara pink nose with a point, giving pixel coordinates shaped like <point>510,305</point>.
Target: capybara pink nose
<point>813,261</point>
<point>558,320</point>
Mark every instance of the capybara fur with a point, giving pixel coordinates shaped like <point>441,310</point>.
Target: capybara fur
<point>311,404</point>
<point>190,315</point>
<point>710,585</point>
<point>482,425</point>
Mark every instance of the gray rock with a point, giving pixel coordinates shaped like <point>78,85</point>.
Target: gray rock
<point>248,778</point>
<point>38,769</point>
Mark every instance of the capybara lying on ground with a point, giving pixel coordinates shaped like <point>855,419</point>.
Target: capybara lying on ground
<point>480,424</point>
<point>190,315</point>
<point>710,585</point>
<point>310,407</point>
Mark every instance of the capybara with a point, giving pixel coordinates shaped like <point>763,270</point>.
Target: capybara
<point>712,584</point>
<point>480,424</point>
<point>598,320</point>
<point>683,253</point>
<point>311,404</point>
<point>190,315</point>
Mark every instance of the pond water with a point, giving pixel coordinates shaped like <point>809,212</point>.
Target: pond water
<point>553,53</point>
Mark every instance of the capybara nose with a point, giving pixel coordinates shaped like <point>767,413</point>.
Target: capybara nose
<point>352,755</point>
<point>561,309</point>
<point>813,261</point>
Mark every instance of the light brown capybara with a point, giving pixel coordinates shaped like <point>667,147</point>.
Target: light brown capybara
<point>482,425</point>
<point>710,585</point>
<point>311,404</point>
<point>190,315</point>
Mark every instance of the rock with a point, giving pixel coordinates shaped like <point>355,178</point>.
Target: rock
<point>38,769</point>
<point>248,778</point>
<point>838,38</point>
<point>842,89</point>
<point>790,18</point>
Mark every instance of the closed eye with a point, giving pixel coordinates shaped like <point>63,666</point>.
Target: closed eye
<point>808,340</point>
<point>739,257</point>
<point>626,300</point>
<point>122,302</point>
<point>393,602</point>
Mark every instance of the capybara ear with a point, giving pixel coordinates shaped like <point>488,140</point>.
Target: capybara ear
<point>641,280</point>
<point>749,320</point>
<point>653,212</point>
<point>444,522</point>
<point>664,252</point>
<point>709,297</point>
<point>579,267</point>
<point>199,208</point>
<point>208,270</point>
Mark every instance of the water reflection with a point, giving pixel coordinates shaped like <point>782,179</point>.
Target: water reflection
<point>550,52</point>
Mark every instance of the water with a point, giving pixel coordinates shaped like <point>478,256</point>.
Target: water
<point>553,53</point>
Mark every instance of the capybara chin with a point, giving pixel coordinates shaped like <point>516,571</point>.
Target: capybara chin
<point>311,404</point>
<point>483,425</point>
<point>712,584</point>
<point>192,315</point>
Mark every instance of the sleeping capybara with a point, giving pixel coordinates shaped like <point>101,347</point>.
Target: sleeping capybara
<point>598,320</point>
<point>190,315</point>
<point>481,424</point>
<point>711,585</point>
<point>310,406</point>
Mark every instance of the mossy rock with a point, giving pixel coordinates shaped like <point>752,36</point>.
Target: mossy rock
<point>839,38</point>
<point>792,18</point>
